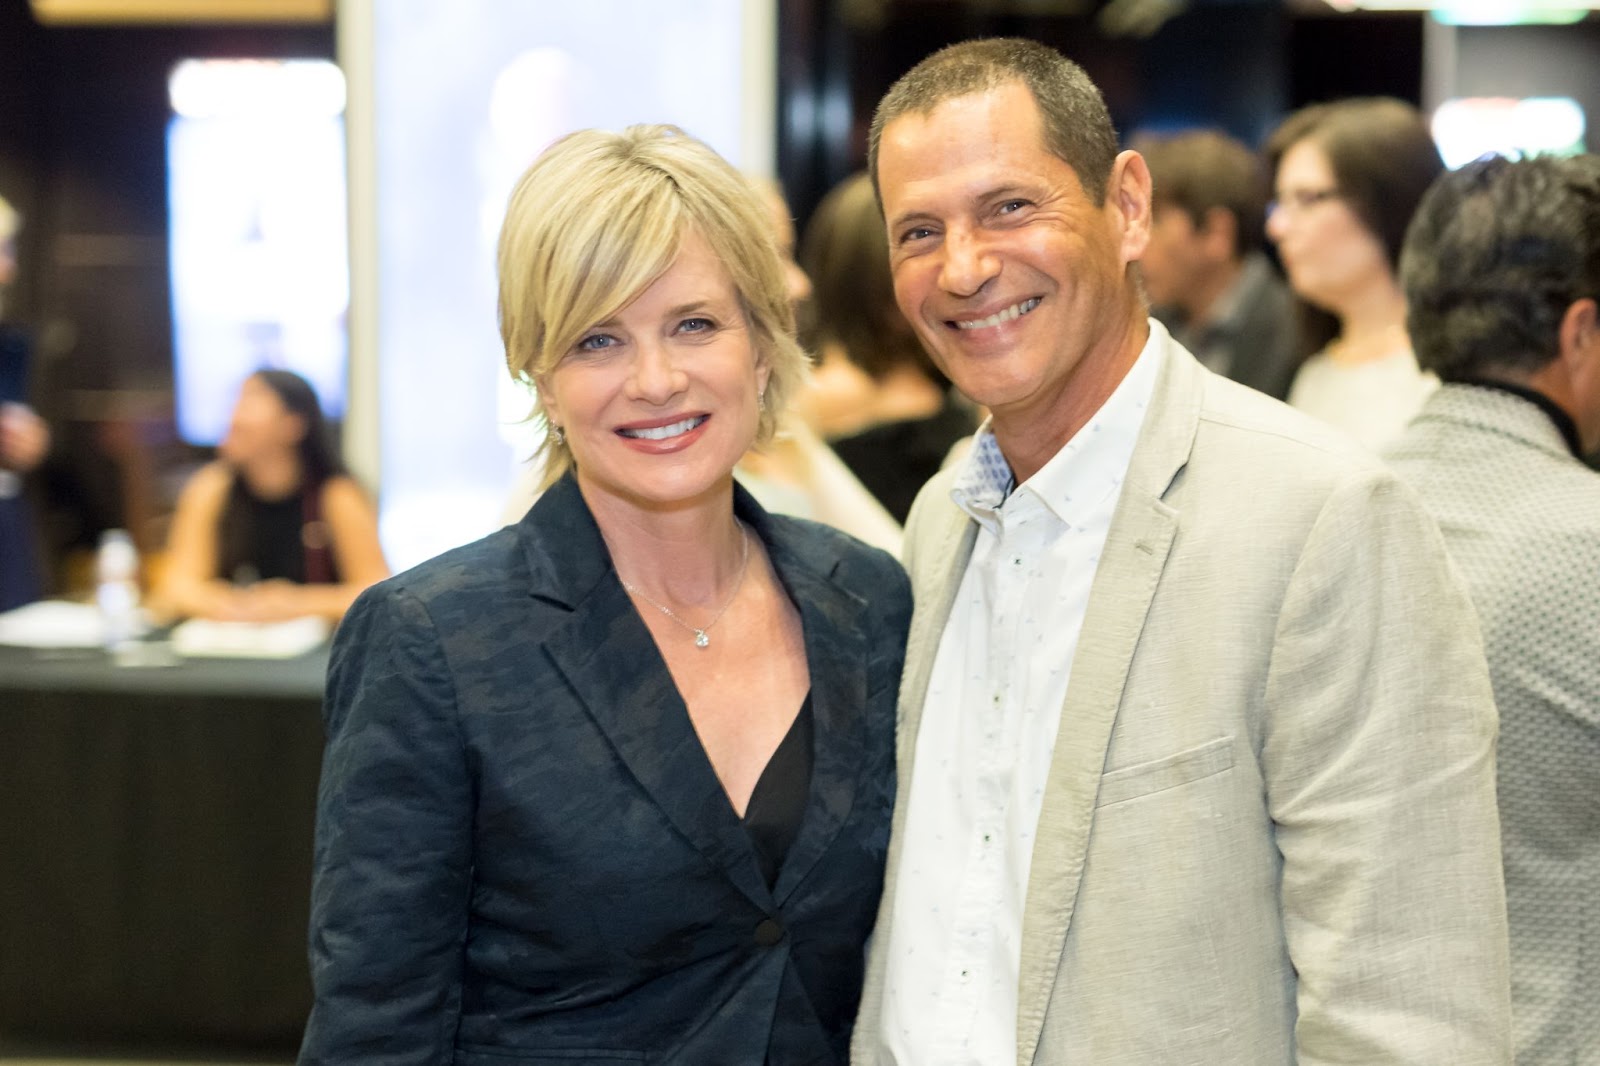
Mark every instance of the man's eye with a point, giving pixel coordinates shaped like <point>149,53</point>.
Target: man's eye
<point>915,233</point>
<point>1011,206</point>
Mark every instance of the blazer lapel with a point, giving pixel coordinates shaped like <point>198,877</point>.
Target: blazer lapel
<point>836,649</point>
<point>607,655</point>
<point>1137,544</point>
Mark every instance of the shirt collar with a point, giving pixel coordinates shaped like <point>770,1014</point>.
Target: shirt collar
<point>1562,420</point>
<point>1093,462</point>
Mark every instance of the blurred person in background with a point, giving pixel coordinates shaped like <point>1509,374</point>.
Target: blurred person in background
<point>275,528</point>
<point>614,783</point>
<point>877,398</point>
<point>1502,272</point>
<point>1348,175</point>
<point>1207,278</point>
<point>24,440</point>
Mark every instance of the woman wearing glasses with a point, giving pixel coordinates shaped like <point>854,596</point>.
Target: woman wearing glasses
<point>1348,176</point>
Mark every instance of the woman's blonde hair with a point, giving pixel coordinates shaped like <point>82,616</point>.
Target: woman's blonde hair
<point>598,217</point>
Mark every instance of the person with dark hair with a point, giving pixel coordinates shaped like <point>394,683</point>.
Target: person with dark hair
<point>895,433</point>
<point>1501,271</point>
<point>1348,175</point>
<point>275,528</point>
<point>1196,742</point>
<point>1205,273</point>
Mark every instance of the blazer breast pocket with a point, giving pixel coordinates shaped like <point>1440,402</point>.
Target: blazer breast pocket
<point>1158,775</point>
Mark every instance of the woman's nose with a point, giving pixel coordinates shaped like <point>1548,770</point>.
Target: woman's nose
<point>655,377</point>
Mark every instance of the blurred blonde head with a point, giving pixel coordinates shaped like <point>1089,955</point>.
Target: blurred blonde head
<point>601,215</point>
<point>10,223</point>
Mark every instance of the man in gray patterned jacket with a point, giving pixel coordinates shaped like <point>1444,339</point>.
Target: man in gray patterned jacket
<point>1501,269</point>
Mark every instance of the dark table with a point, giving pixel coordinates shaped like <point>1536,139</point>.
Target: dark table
<point>155,849</point>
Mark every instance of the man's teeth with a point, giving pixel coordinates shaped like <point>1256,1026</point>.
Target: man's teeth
<point>1014,311</point>
<point>663,432</point>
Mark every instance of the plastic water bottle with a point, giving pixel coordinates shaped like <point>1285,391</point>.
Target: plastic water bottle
<point>117,589</point>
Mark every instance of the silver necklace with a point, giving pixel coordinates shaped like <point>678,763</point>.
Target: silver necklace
<point>700,639</point>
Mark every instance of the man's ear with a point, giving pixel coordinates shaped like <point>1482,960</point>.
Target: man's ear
<point>1219,234</point>
<point>1128,192</point>
<point>1579,337</point>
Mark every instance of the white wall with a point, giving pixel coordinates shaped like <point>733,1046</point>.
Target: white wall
<point>449,102</point>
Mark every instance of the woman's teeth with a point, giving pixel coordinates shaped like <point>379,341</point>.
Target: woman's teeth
<point>663,432</point>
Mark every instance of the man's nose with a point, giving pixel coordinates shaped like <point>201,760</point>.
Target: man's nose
<point>968,264</point>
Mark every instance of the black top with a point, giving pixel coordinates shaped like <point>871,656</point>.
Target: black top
<point>262,539</point>
<point>778,802</point>
<point>896,459</point>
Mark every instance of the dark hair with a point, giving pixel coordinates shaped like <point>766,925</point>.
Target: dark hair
<point>845,251</point>
<point>1496,254</point>
<point>1383,159</point>
<point>1382,154</point>
<point>1198,170</point>
<point>319,461</point>
<point>1077,127</point>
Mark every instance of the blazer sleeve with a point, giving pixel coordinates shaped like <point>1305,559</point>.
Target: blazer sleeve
<point>1378,752</point>
<point>392,866</point>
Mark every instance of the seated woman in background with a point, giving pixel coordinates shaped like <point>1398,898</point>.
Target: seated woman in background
<point>1349,175</point>
<point>275,528</point>
<point>876,396</point>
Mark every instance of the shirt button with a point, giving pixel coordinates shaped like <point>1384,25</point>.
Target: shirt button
<point>768,933</point>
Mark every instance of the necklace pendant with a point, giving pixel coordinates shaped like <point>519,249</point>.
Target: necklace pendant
<point>701,640</point>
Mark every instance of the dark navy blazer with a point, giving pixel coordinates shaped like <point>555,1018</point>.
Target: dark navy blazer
<point>523,855</point>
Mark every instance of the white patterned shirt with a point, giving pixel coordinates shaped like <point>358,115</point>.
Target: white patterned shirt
<point>988,732</point>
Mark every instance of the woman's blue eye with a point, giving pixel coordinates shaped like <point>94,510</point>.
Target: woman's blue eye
<point>696,325</point>
<point>595,342</point>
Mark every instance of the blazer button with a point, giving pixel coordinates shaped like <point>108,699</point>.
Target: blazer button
<point>768,933</point>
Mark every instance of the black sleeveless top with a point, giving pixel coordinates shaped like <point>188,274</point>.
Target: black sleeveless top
<point>261,539</point>
<point>778,802</point>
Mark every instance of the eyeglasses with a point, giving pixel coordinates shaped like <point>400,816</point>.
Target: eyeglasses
<point>1301,200</point>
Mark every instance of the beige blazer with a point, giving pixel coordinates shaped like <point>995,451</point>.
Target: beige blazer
<point>1270,833</point>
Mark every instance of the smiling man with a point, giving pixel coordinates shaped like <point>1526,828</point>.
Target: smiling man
<point>1196,752</point>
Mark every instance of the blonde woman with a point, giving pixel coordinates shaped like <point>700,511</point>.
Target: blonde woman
<point>614,783</point>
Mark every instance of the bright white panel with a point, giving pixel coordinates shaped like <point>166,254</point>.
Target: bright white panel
<point>465,96</point>
<point>1466,129</point>
<point>256,188</point>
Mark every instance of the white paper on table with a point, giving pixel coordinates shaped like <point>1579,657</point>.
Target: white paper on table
<point>52,624</point>
<point>199,638</point>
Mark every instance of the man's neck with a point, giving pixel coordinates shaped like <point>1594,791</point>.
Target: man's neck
<point>1030,435</point>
